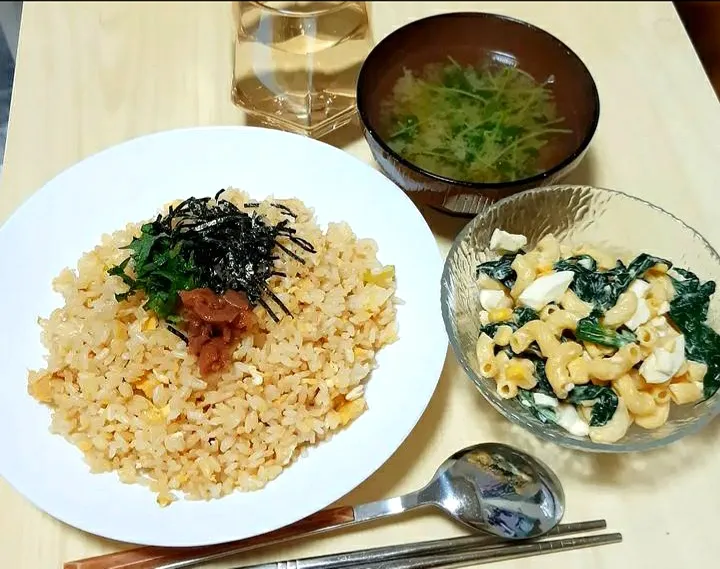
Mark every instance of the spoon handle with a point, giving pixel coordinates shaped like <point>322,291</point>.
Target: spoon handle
<point>179,557</point>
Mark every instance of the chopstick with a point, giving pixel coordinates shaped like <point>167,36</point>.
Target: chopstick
<point>169,558</point>
<point>491,555</point>
<point>453,551</point>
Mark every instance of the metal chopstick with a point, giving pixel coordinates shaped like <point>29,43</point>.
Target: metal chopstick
<point>434,547</point>
<point>480,556</point>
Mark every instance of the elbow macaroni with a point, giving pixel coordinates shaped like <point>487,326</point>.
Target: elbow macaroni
<point>622,311</point>
<point>615,428</point>
<point>638,402</point>
<point>525,275</point>
<point>660,394</point>
<point>547,311</point>
<point>681,371</point>
<point>548,249</point>
<point>488,283</point>
<point>647,336</point>
<point>485,351</point>
<point>578,370</point>
<point>598,351</point>
<point>502,336</point>
<point>505,388</point>
<point>521,372</point>
<point>535,331</point>
<point>686,392</point>
<point>657,307</point>
<point>556,367</point>
<point>696,371</point>
<point>561,320</point>
<point>661,287</point>
<point>509,357</point>
<point>573,303</point>
<point>607,369</point>
<point>656,419</point>
<point>603,259</point>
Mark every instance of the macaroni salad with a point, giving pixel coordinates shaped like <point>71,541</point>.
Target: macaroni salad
<point>591,342</point>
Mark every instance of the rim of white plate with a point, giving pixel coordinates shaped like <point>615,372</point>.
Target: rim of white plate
<point>35,461</point>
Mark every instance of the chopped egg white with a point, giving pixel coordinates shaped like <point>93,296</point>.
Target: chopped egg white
<point>542,400</point>
<point>642,313</point>
<point>663,364</point>
<point>640,287</point>
<point>586,263</point>
<point>664,307</point>
<point>570,420</point>
<point>640,316</point>
<point>546,289</point>
<point>661,325</point>
<point>504,241</point>
<point>493,299</point>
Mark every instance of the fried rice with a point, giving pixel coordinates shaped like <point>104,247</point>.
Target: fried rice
<point>124,390</point>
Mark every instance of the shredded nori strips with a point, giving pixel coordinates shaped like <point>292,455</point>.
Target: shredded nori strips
<point>178,333</point>
<point>223,246</point>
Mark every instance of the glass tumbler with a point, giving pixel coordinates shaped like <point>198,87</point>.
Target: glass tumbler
<point>296,63</point>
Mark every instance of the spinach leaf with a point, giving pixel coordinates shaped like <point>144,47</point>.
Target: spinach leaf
<point>523,315</point>
<point>543,385</point>
<point>584,261</point>
<point>500,269</point>
<point>492,328</point>
<point>588,284</point>
<point>589,329</point>
<point>688,311</point>
<point>606,402</point>
<point>520,316</point>
<point>603,288</point>
<point>641,264</point>
<point>543,414</point>
<point>525,396</point>
<point>687,284</point>
<point>692,299</point>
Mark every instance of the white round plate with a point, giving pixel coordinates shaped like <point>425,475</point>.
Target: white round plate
<point>129,183</point>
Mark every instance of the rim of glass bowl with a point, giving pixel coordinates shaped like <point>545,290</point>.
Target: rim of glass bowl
<point>523,420</point>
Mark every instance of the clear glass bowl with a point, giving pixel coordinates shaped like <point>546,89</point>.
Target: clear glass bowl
<point>576,214</point>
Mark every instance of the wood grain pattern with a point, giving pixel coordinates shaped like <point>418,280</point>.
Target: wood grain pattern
<point>91,75</point>
<point>152,557</point>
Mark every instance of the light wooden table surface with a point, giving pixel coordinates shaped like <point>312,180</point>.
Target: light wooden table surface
<point>93,75</point>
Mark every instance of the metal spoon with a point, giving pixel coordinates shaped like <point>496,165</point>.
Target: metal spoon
<point>490,487</point>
